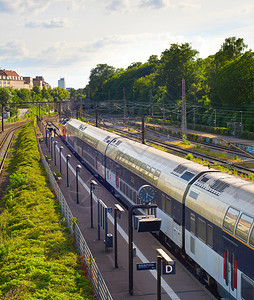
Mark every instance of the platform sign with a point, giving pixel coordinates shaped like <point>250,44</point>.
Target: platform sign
<point>146,266</point>
<point>169,269</point>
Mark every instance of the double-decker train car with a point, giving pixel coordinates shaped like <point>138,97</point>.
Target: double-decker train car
<point>206,214</point>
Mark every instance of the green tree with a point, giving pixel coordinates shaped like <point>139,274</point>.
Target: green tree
<point>59,94</point>
<point>235,82</point>
<point>5,96</point>
<point>231,49</point>
<point>98,76</point>
<point>177,63</point>
<point>24,95</point>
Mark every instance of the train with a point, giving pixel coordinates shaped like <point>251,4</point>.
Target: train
<point>205,214</point>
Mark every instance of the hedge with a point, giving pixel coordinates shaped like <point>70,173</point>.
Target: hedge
<point>38,259</point>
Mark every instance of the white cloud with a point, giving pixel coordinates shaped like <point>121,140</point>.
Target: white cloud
<point>25,6</point>
<point>154,3</point>
<point>47,24</point>
<point>118,5</point>
<point>13,51</point>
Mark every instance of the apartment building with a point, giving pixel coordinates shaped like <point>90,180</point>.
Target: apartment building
<point>9,78</point>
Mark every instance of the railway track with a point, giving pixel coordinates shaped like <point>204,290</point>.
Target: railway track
<point>5,141</point>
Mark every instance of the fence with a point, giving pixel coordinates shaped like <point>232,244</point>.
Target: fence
<point>99,285</point>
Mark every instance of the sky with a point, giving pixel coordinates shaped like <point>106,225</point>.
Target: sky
<point>68,38</point>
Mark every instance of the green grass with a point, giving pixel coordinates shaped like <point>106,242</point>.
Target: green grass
<point>38,259</point>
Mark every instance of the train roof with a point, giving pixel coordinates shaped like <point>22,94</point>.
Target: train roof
<point>99,138</point>
<point>170,173</point>
<point>212,194</point>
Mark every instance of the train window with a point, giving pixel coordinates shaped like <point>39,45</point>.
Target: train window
<point>127,159</point>
<point>138,163</point>
<point>192,224</point>
<point>187,176</point>
<point>134,162</point>
<point>120,157</point>
<point>202,230</point>
<point>151,174</point>
<point>252,237</point>
<point>142,168</point>
<point>147,171</point>
<point>163,202</point>
<point>209,235</point>
<point>134,196</point>
<point>168,206</point>
<point>247,288</point>
<point>156,176</point>
<point>230,219</point>
<point>243,227</point>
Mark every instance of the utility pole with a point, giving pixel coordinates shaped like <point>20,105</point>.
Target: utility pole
<point>143,130</point>
<point>96,116</point>
<point>184,123</point>
<point>109,108</point>
<point>151,109</point>
<point>2,117</point>
<point>124,108</point>
<point>194,107</point>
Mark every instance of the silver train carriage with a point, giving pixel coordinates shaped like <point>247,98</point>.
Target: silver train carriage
<point>206,213</point>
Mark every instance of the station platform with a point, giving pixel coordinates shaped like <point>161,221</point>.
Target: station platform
<point>183,285</point>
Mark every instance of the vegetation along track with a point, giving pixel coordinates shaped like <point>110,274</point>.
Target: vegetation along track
<point>5,140</point>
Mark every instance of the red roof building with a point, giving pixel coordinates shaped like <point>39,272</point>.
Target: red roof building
<point>9,78</point>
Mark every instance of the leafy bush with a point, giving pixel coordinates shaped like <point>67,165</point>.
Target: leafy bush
<point>189,156</point>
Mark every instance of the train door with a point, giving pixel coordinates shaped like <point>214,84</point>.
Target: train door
<point>230,265</point>
<point>117,177</point>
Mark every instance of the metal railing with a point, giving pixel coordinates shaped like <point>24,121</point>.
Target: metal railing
<point>99,285</point>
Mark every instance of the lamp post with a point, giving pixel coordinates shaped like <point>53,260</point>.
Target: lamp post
<point>241,121</point>
<point>78,167</point>
<point>55,142</point>
<point>118,209</point>
<point>67,168</point>
<point>93,183</point>
<point>46,138</point>
<point>49,140</point>
<point>51,144</point>
<point>60,158</point>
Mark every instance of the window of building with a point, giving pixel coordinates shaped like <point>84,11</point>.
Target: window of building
<point>210,235</point>
<point>247,288</point>
<point>192,224</point>
<point>230,219</point>
<point>243,227</point>
<point>202,230</point>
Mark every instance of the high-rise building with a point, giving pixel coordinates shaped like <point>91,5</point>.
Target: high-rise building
<point>61,83</point>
